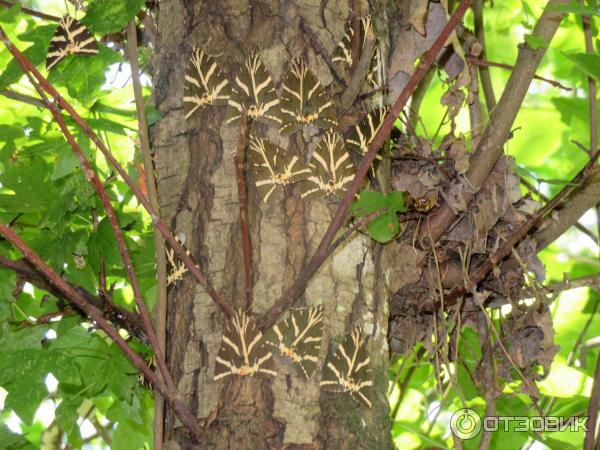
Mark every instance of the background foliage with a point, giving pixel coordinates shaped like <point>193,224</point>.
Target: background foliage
<point>64,382</point>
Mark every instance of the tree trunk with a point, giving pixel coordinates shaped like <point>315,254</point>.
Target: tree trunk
<point>198,194</point>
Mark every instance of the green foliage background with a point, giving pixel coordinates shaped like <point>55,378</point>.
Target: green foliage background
<point>52,205</point>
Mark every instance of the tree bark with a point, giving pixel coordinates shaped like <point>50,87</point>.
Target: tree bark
<point>198,194</point>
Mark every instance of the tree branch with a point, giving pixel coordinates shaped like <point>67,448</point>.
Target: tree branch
<point>78,300</point>
<point>121,317</point>
<point>491,143</point>
<point>160,308</point>
<point>483,63</point>
<point>484,73</point>
<point>481,272</point>
<point>22,98</point>
<point>31,12</point>
<point>297,288</point>
<point>564,218</point>
<point>28,67</point>
<point>591,281</point>
<point>95,181</point>
<point>542,197</point>
<point>240,173</point>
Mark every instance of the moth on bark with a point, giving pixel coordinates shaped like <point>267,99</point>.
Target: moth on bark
<point>253,91</point>
<point>298,338</point>
<point>243,351</point>
<point>342,54</point>
<point>274,167</point>
<point>204,83</point>
<point>331,169</point>
<point>304,101</point>
<point>349,369</point>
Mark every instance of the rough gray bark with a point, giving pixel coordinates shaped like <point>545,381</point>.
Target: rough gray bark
<point>198,194</point>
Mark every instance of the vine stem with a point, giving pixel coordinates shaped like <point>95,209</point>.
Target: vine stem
<point>323,251</point>
<point>78,300</point>
<point>160,224</point>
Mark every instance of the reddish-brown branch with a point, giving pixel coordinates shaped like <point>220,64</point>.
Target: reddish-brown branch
<point>95,181</point>
<point>164,229</point>
<point>31,12</point>
<point>482,271</point>
<point>47,318</point>
<point>120,317</point>
<point>484,63</point>
<point>292,294</point>
<point>78,300</point>
<point>240,173</point>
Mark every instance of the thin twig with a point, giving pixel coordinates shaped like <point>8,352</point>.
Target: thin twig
<point>127,320</point>
<point>160,224</point>
<point>240,173</point>
<point>545,199</point>
<point>78,300</point>
<point>417,99</point>
<point>31,12</point>
<point>47,318</point>
<point>484,73</point>
<point>95,181</point>
<point>23,98</point>
<point>319,257</point>
<point>591,281</point>
<point>160,308</point>
<point>483,63</point>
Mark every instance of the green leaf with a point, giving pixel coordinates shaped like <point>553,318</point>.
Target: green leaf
<point>22,374</point>
<point>83,76</point>
<point>12,441</point>
<point>587,63</point>
<point>575,7</point>
<point>111,16</point>
<point>36,53</point>
<point>132,434</point>
<point>384,227</point>
<point>368,202</point>
<point>103,246</point>
<point>66,163</point>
